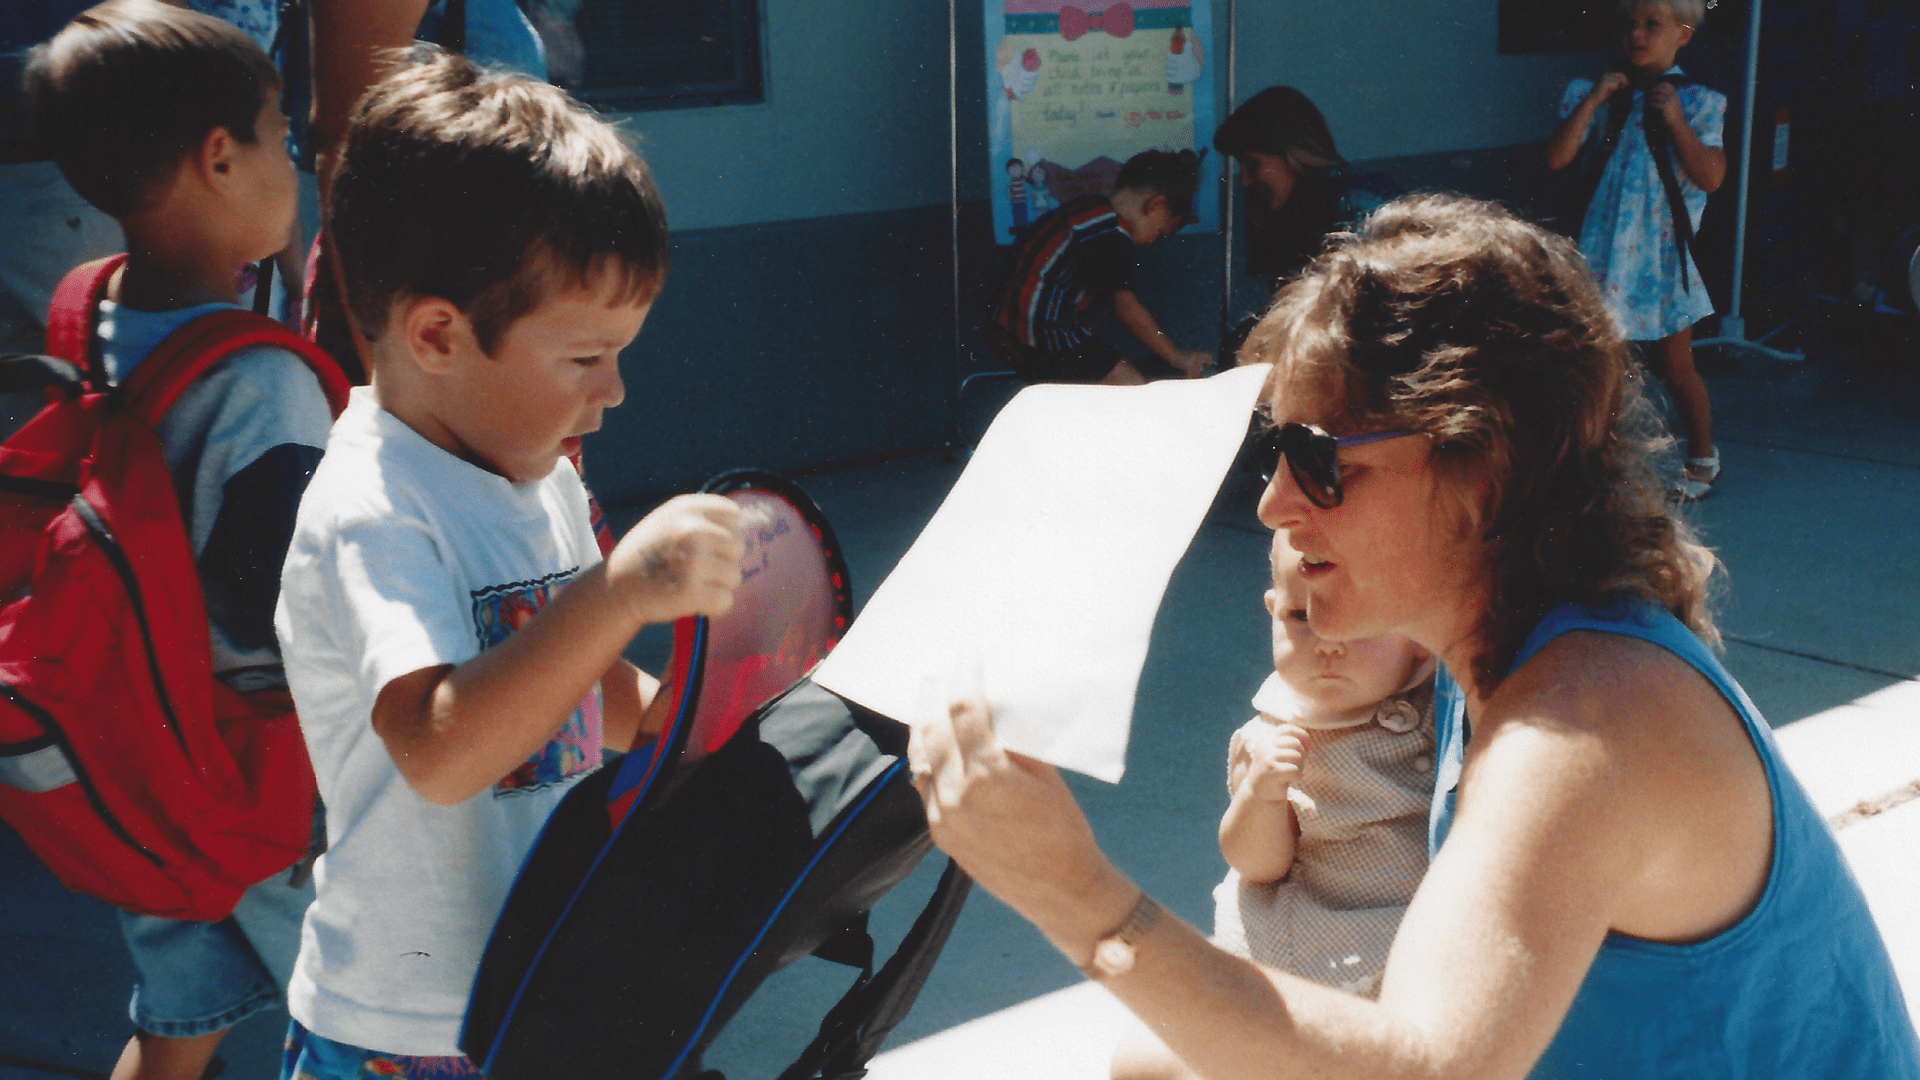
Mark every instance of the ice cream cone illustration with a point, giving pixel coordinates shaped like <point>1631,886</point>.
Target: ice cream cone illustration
<point>1018,71</point>
<point>1185,59</point>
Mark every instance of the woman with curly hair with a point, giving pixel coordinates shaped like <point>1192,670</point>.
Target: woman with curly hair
<point>1626,881</point>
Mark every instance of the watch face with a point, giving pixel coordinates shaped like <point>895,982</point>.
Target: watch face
<point>1113,957</point>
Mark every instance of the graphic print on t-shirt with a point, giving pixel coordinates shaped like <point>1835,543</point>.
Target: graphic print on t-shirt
<point>498,611</point>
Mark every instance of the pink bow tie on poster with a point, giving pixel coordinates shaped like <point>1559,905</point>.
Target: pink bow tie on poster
<point>1116,20</point>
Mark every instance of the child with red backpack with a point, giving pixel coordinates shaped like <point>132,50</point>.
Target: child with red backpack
<point>169,121</point>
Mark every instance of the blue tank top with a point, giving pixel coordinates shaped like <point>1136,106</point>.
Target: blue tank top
<point>1800,987</point>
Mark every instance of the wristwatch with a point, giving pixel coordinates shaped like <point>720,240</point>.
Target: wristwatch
<point>1114,954</point>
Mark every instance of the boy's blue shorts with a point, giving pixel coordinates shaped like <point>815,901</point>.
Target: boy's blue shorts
<point>316,1057</point>
<point>196,978</point>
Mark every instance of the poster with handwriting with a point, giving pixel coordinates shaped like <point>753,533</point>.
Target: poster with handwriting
<point>1074,91</point>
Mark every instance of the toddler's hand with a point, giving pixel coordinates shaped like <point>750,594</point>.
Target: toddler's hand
<point>1665,100</point>
<point>682,559</point>
<point>1610,84</point>
<point>1273,754</point>
<point>1193,362</point>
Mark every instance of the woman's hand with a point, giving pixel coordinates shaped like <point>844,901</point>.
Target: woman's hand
<point>1011,823</point>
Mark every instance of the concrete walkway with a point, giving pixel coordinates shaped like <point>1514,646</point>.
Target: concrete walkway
<point>1816,518</point>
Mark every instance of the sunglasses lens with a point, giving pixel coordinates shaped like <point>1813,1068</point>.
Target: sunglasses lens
<point>1267,452</point>
<point>1313,459</point>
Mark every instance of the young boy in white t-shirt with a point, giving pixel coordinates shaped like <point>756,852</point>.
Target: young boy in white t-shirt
<point>452,637</point>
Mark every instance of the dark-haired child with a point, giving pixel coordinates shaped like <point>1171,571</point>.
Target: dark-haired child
<point>1079,258</point>
<point>169,121</point>
<point>452,634</point>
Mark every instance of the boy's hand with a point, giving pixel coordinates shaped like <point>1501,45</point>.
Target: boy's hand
<point>1666,100</point>
<point>1270,755</point>
<point>682,559</point>
<point>1193,362</point>
<point>1610,84</point>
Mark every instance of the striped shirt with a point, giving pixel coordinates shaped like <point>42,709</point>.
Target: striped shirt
<point>1062,265</point>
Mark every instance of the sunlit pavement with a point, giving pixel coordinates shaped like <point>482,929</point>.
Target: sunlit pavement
<point>1816,518</point>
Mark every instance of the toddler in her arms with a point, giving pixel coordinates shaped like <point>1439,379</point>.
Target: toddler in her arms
<point>1330,785</point>
<point>1326,832</point>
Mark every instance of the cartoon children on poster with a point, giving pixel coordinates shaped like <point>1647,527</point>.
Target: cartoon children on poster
<point>1073,91</point>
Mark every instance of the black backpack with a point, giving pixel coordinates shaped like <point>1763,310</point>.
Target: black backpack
<point>1596,152</point>
<point>663,891</point>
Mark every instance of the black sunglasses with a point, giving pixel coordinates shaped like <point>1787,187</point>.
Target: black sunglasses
<point>1313,457</point>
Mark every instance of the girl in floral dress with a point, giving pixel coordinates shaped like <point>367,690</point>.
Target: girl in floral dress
<point>1629,233</point>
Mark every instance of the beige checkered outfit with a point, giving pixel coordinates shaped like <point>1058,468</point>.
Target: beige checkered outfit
<point>1362,804</point>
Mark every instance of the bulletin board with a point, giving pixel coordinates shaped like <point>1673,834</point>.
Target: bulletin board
<point>1075,91</point>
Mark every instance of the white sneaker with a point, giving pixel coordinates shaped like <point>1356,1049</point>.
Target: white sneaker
<point>1696,482</point>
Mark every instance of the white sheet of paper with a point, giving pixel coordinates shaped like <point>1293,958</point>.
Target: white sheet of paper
<point>1040,575</point>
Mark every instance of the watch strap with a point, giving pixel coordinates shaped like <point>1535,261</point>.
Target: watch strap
<point>1114,954</point>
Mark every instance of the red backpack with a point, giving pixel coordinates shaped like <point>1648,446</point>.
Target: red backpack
<point>132,772</point>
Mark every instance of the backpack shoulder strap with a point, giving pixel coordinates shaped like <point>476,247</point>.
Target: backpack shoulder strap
<point>857,1025</point>
<point>70,316</point>
<point>1660,145</point>
<point>1600,147</point>
<point>188,352</point>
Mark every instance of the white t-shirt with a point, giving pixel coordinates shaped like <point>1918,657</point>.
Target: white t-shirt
<point>406,557</point>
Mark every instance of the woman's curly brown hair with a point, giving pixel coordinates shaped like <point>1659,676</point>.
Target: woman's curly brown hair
<point>1453,317</point>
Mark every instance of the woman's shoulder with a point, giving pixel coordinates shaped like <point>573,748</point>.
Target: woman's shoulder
<point>1628,704</point>
<point>1583,665</point>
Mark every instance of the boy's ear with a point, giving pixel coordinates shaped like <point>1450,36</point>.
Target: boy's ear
<point>1686,34</point>
<point>214,156</point>
<point>207,163</point>
<point>432,330</point>
<point>1271,598</point>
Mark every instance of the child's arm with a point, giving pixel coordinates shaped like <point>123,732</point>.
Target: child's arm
<point>1259,833</point>
<point>1139,322</point>
<point>626,692</point>
<point>1564,144</point>
<point>453,731</point>
<point>1707,165</point>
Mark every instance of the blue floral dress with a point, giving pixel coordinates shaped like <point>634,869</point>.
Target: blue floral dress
<point>1628,232</point>
<point>259,18</point>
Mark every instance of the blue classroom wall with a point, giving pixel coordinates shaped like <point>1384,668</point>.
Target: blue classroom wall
<point>809,318</point>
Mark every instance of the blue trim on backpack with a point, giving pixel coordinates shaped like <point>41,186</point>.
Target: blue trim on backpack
<point>819,852</point>
<point>666,738</point>
<point>647,767</point>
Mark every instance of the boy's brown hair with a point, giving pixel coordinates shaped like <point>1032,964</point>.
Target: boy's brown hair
<point>479,187</point>
<point>129,87</point>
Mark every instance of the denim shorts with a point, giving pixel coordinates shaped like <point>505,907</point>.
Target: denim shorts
<point>316,1057</point>
<point>196,978</point>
